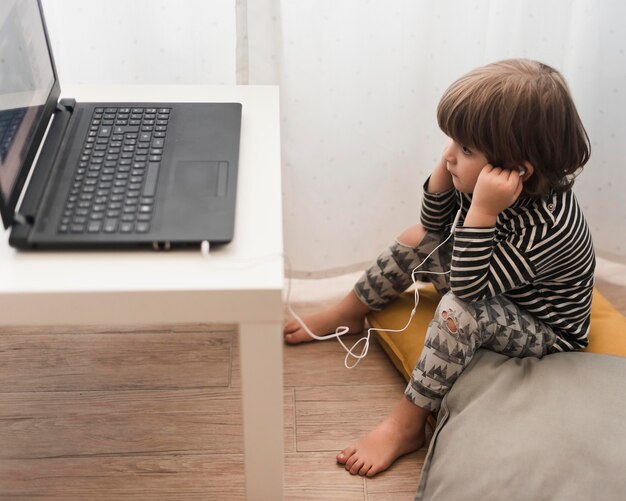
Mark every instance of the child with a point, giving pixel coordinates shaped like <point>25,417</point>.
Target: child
<point>516,276</point>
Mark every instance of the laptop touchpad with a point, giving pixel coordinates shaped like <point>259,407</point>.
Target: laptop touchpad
<point>200,179</point>
<point>197,192</point>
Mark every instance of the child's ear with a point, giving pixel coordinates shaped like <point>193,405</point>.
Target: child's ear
<point>526,170</point>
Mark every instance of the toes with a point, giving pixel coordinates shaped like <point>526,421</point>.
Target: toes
<point>371,472</point>
<point>297,337</point>
<point>365,469</point>
<point>291,327</point>
<point>345,454</point>
<point>290,338</point>
<point>350,462</point>
<point>356,466</point>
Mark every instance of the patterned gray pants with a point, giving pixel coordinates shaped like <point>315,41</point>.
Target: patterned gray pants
<point>459,328</point>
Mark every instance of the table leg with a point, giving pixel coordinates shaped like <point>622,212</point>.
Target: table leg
<point>261,355</point>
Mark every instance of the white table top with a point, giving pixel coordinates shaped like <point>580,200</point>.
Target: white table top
<point>252,262</point>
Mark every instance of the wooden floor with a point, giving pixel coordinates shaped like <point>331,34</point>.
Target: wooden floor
<point>154,413</point>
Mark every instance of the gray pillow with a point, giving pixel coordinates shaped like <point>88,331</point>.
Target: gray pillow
<point>530,429</point>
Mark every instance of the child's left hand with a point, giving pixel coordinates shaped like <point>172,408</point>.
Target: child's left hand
<point>496,189</point>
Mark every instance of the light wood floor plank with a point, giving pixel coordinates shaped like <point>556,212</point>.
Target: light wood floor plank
<point>113,329</point>
<point>392,496</point>
<point>330,418</point>
<point>54,424</point>
<point>162,477</point>
<point>317,476</point>
<point>290,420</point>
<point>400,479</point>
<point>89,361</point>
<point>322,363</point>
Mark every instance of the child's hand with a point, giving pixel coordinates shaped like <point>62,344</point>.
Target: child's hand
<point>495,190</point>
<point>440,180</point>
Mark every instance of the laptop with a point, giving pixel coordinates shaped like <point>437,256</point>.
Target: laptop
<point>106,175</point>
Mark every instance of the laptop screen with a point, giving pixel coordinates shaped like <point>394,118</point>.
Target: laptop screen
<point>26,81</point>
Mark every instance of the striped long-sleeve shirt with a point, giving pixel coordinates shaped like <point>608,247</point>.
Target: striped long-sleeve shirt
<point>539,255</point>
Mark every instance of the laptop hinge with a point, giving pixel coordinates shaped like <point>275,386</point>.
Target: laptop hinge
<point>24,217</point>
<point>22,226</point>
<point>66,104</point>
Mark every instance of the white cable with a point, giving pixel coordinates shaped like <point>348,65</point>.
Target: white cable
<point>205,248</point>
<point>343,330</point>
<point>235,262</point>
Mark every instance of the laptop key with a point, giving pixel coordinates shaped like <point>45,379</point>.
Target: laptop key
<point>110,225</point>
<point>94,226</point>
<point>124,129</point>
<point>152,173</point>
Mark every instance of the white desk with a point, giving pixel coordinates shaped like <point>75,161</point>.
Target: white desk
<point>239,283</point>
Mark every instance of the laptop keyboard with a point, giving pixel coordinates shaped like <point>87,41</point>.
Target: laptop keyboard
<point>114,186</point>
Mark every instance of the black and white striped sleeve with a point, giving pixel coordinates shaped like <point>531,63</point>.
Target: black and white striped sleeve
<point>438,209</point>
<point>483,268</point>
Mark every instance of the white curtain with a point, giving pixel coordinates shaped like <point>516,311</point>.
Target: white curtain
<point>143,41</point>
<point>360,81</point>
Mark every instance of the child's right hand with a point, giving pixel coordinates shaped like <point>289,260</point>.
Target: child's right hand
<point>441,179</point>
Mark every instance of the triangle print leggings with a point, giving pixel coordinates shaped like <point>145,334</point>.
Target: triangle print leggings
<point>459,328</point>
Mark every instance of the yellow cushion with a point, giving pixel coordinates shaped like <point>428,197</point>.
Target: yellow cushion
<point>607,335</point>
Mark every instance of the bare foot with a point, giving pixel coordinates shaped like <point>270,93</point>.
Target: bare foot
<point>322,323</point>
<point>400,433</point>
<point>350,311</point>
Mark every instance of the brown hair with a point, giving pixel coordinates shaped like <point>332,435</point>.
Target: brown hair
<point>514,111</point>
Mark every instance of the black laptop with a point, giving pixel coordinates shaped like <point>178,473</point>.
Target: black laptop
<point>106,175</point>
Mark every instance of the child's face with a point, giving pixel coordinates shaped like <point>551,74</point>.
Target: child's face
<point>464,164</point>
